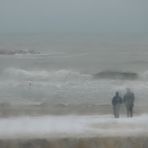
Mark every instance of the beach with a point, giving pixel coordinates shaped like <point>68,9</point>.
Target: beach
<point>75,131</point>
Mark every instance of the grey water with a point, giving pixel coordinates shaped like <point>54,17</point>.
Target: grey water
<point>58,68</point>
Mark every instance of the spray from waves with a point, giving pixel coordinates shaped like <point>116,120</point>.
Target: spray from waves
<point>44,74</point>
<point>65,86</point>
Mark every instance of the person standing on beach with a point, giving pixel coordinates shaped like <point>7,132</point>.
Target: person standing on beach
<point>129,99</point>
<point>116,102</point>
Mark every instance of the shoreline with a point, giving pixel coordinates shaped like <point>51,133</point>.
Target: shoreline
<point>73,131</point>
<point>8,109</point>
<point>72,126</point>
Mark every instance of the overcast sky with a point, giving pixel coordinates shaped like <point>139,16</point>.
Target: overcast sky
<point>73,15</point>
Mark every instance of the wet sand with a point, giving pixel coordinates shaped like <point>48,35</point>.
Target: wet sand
<point>96,142</point>
<point>7,109</point>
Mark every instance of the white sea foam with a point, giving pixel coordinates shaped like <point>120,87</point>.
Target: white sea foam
<point>65,73</point>
<point>64,86</point>
<point>44,74</point>
<point>67,126</point>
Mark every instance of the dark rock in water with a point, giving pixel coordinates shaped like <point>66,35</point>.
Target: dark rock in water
<point>15,51</point>
<point>116,75</point>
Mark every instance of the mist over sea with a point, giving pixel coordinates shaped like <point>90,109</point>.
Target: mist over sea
<point>56,90</point>
<point>59,68</point>
<point>61,63</point>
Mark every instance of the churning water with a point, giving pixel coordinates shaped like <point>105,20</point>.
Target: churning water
<point>72,70</point>
<point>60,68</point>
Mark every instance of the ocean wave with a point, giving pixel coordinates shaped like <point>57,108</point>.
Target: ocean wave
<point>17,51</point>
<point>65,86</point>
<point>44,74</point>
<point>116,75</point>
<point>67,74</point>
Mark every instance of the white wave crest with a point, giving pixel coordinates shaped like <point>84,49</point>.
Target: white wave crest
<point>44,75</point>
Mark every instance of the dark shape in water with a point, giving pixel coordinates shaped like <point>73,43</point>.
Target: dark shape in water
<point>116,75</point>
<point>15,51</point>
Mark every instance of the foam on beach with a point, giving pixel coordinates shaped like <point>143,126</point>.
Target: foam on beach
<point>72,126</point>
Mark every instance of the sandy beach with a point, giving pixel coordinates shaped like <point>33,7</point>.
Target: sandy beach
<point>74,131</point>
<point>8,109</point>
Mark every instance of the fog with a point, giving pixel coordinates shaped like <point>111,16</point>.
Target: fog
<point>73,16</point>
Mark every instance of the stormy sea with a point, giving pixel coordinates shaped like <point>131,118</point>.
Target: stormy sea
<point>56,90</point>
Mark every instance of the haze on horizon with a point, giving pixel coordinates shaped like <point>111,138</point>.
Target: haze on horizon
<point>73,16</point>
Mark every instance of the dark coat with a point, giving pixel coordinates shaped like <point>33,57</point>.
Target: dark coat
<point>116,100</point>
<point>129,99</point>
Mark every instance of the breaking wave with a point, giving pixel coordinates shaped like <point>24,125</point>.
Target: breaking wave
<point>66,86</point>
<point>65,74</point>
<point>119,75</point>
<point>44,74</point>
<point>116,75</point>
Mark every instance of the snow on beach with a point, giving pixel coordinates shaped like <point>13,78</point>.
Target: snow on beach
<point>72,126</point>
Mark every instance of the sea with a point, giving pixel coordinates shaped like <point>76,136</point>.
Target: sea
<point>72,68</point>
<point>56,90</point>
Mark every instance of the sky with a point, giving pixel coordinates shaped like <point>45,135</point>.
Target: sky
<point>73,16</point>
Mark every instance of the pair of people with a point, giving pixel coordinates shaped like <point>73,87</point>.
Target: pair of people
<point>128,100</point>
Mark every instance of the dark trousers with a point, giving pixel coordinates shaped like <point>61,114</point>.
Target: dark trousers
<point>129,109</point>
<point>116,109</point>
